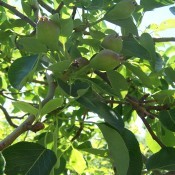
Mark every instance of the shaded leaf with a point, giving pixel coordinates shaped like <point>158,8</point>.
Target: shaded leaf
<point>135,156</point>
<point>118,83</point>
<point>28,158</point>
<point>152,4</point>
<point>170,72</point>
<point>22,70</point>
<point>117,148</point>
<point>131,47</point>
<point>140,74</point>
<point>147,42</point>
<point>164,159</point>
<point>90,100</point>
<point>167,118</point>
<point>126,24</point>
<point>30,44</point>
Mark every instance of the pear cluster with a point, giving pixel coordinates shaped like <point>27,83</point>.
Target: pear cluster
<point>108,58</point>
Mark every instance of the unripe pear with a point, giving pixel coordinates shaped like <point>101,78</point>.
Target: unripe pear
<point>105,60</point>
<point>47,32</point>
<point>113,42</point>
<point>121,10</point>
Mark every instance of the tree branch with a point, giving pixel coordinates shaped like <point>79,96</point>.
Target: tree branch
<point>47,7</point>
<point>17,13</point>
<point>26,125</point>
<point>142,113</point>
<point>165,39</point>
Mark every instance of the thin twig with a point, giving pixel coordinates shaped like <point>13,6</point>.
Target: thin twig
<point>59,7</point>
<point>17,13</point>
<point>151,132</point>
<point>8,117</point>
<point>142,113</point>
<point>74,12</point>
<point>47,7</point>
<point>78,133</point>
<point>26,125</point>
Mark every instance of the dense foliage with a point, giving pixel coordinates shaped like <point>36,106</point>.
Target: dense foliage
<point>78,97</point>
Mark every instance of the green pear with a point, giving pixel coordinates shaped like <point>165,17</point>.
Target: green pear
<point>113,42</point>
<point>121,10</point>
<point>105,60</point>
<point>47,31</point>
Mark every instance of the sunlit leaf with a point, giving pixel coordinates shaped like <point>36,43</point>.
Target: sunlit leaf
<point>26,107</point>
<point>77,161</point>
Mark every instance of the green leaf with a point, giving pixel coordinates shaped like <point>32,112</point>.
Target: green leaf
<point>30,44</point>
<point>126,24</point>
<point>152,4</point>
<point>26,107</point>
<point>170,73</point>
<point>140,74</point>
<point>102,86</point>
<point>147,42</point>
<point>90,100</point>
<point>28,158</point>
<point>77,161</point>
<point>118,83</point>
<point>167,118</point>
<point>135,156</point>
<point>165,97</point>
<point>60,66</point>
<point>131,47</point>
<point>117,148</point>
<point>51,105</point>
<point>164,160</point>
<point>22,70</point>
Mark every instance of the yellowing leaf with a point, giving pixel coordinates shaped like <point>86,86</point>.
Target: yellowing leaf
<point>77,161</point>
